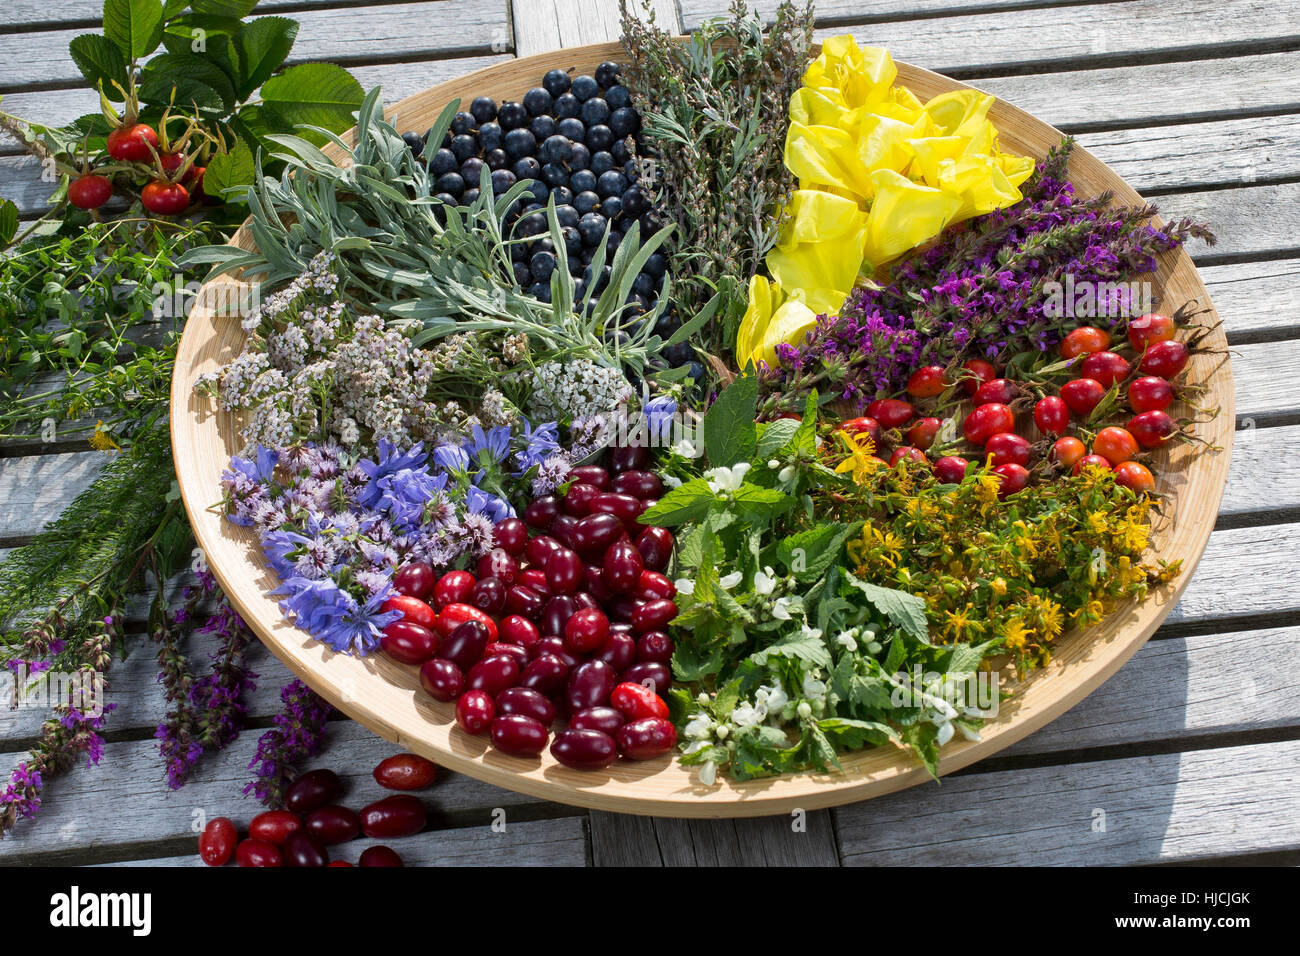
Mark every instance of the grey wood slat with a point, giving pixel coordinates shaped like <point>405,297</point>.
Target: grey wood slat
<point>539,843</point>
<point>1196,155</point>
<point>1178,92</point>
<point>623,840</point>
<point>134,689</point>
<point>24,13</point>
<point>695,12</point>
<point>1161,808</point>
<point>542,25</point>
<point>1256,299</point>
<point>130,779</point>
<point>434,28</point>
<point>981,43</point>
<point>1173,688</point>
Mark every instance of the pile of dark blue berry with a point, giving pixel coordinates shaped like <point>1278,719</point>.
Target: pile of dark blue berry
<point>576,139</point>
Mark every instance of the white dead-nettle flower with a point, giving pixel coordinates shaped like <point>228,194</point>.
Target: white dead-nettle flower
<point>726,480</point>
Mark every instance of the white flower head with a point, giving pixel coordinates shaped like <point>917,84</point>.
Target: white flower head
<point>699,728</point>
<point>847,641</point>
<point>781,608</point>
<point>813,688</point>
<point>729,581</point>
<point>684,586</point>
<point>764,582</point>
<point>708,773</point>
<point>746,716</point>
<point>726,480</point>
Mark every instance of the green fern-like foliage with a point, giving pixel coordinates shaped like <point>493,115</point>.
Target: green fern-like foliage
<point>103,548</point>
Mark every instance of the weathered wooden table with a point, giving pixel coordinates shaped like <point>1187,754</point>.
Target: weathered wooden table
<point>1191,753</point>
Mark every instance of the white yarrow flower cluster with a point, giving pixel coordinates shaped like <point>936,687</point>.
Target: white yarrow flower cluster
<point>578,388</point>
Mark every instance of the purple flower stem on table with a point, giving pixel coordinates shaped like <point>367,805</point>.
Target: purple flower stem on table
<point>299,733</point>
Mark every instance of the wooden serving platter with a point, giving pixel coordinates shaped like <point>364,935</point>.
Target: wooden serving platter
<point>386,696</point>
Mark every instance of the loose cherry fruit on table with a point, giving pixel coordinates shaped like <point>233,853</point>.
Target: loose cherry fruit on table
<point>405,772</point>
<point>217,841</point>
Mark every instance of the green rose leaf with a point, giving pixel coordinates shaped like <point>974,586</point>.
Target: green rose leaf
<point>228,170</point>
<point>8,221</point>
<point>100,62</point>
<point>311,94</point>
<point>237,9</point>
<point>262,46</point>
<point>730,435</point>
<point>198,81</point>
<point>134,25</point>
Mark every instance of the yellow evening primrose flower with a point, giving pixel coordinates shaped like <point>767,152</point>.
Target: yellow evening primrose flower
<point>879,173</point>
<point>770,319</point>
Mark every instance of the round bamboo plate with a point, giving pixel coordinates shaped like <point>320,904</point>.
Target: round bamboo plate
<point>385,696</point>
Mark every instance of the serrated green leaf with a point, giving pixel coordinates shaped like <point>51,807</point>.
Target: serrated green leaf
<point>230,170</point>
<point>238,9</point>
<point>904,611</point>
<point>312,94</point>
<point>729,431</point>
<point>135,26</point>
<point>809,553</point>
<point>774,436</point>
<point>805,647</point>
<point>262,46</point>
<point>100,62</point>
<point>192,76</point>
<point>687,502</point>
<point>849,734</point>
<point>921,738</point>
<point>8,221</point>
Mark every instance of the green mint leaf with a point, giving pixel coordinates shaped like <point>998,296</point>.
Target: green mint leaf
<point>687,502</point>
<point>729,430</point>
<point>773,436</point>
<point>848,734</point>
<point>804,647</point>
<point>921,738</point>
<point>808,554</point>
<point>905,611</point>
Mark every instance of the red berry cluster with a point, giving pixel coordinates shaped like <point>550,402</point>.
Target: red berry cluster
<point>563,619</point>
<point>312,821</point>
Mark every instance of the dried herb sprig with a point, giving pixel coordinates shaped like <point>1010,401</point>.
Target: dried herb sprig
<point>714,113</point>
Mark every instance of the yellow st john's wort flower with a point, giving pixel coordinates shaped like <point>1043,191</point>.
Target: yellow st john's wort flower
<point>100,440</point>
